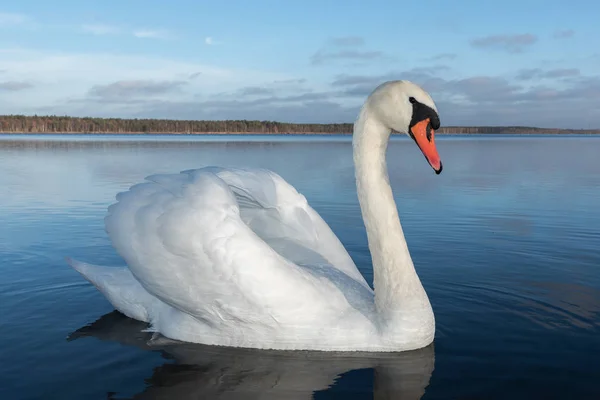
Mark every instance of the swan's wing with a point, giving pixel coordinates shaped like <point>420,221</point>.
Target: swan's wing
<point>282,217</point>
<point>231,246</point>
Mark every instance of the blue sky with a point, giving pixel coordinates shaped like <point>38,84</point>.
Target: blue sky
<point>527,62</point>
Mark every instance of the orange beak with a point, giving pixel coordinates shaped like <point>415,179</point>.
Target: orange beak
<point>423,134</point>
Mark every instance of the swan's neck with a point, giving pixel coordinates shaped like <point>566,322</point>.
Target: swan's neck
<point>399,295</point>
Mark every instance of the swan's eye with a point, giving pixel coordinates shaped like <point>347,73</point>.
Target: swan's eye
<point>412,100</point>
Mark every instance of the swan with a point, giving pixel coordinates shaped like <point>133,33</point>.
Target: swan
<point>237,257</point>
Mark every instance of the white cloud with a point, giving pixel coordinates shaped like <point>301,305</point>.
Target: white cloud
<point>13,19</point>
<point>61,82</point>
<point>122,90</point>
<point>510,43</point>
<point>100,29</point>
<point>347,48</point>
<point>14,86</point>
<point>564,34</point>
<point>210,41</point>
<point>152,34</point>
<point>106,29</point>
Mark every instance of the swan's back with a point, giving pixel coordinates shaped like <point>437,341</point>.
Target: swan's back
<point>237,250</point>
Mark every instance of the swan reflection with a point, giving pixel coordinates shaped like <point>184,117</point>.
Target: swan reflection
<point>196,371</point>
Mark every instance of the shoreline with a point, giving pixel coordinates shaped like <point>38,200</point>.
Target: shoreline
<point>65,125</point>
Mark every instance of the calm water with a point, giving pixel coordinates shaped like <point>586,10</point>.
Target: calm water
<point>506,240</point>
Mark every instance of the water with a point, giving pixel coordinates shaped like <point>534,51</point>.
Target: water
<point>506,241</point>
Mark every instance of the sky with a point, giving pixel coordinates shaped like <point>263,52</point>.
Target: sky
<point>526,62</point>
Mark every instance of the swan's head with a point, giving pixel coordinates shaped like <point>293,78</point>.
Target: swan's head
<point>405,107</point>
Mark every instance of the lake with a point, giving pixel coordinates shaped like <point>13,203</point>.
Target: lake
<point>506,241</point>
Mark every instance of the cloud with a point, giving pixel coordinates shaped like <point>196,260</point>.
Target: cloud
<point>471,100</point>
<point>444,56</point>
<point>152,34</point>
<point>482,89</point>
<point>255,91</point>
<point>348,48</point>
<point>475,100</point>
<point>68,69</point>
<point>109,85</point>
<point>496,100</point>
<point>363,85</point>
<point>100,29</point>
<point>278,91</point>
<point>322,57</point>
<point>246,100</point>
<point>64,81</point>
<point>7,19</point>
<point>561,73</point>
<point>527,74</point>
<point>14,86</point>
<point>353,80</point>
<point>299,109</point>
<point>291,81</point>
<point>564,34</point>
<point>210,41</point>
<point>135,88</point>
<point>508,43</point>
<point>284,90</point>
<point>538,73</point>
<point>107,29</point>
<point>283,98</point>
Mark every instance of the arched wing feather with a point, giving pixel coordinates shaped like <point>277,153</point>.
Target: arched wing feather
<point>227,245</point>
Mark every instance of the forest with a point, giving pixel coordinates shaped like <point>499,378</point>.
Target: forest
<point>64,124</point>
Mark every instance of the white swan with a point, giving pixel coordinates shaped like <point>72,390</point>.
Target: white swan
<point>236,257</point>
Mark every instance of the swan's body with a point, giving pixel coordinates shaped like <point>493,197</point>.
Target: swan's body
<point>237,257</point>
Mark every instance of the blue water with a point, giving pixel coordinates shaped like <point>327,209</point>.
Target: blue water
<point>506,241</point>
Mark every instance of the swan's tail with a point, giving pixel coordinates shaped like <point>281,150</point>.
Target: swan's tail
<point>120,288</point>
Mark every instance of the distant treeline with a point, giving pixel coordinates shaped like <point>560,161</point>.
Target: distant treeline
<point>58,124</point>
